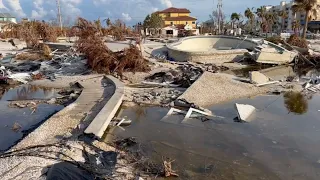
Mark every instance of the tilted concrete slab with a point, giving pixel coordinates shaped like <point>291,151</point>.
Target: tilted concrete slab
<point>214,88</point>
<point>268,57</point>
<point>258,78</point>
<point>104,117</point>
<point>245,111</point>
<point>278,73</point>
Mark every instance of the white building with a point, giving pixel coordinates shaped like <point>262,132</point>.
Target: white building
<point>6,18</point>
<point>170,31</point>
<point>291,16</point>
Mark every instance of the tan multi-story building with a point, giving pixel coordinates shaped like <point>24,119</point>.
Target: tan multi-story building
<point>177,17</point>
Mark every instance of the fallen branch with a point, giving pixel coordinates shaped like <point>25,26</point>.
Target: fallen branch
<point>168,169</point>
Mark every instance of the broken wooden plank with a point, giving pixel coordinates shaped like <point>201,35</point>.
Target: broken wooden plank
<point>267,83</point>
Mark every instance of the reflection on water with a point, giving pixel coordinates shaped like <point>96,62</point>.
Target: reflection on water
<point>140,111</point>
<point>275,145</point>
<point>277,72</point>
<point>244,72</point>
<point>17,122</point>
<point>26,92</point>
<point>296,102</point>
<point>11,118</point>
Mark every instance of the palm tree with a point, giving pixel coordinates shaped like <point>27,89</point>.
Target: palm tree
<point>98,25</point>
<point>310,8</point>
<point>108,22</point>
<point>270,19</point>
<point>261,13</point>
<point>296,26</point>
<point>234,17</point>
<point>283,14</point>
<point>250,16</point>
<point>295,10</point>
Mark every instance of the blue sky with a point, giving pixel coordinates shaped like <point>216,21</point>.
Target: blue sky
<point>130,11</point>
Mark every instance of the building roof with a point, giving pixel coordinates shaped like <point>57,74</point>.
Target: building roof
<point>6,15</point>
<point>175,10</point>
<point>180,18</point>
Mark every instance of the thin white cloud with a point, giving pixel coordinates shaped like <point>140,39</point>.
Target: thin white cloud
<point>44,9</point>
<point>126,17</point>
<point>167,3</point>
<point>39,12</point>
<point>137,9</point>
<point>70,7</point>
<point>15,6</point>
<point>2,6</point>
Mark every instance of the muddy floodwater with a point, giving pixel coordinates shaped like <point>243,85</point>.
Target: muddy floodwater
<point>281,142</point>
<point>15,123</point>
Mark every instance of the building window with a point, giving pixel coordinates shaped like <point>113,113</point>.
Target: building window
<point>193,22</point>
<point>171,23</point>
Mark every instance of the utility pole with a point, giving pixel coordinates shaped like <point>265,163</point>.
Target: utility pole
<point>219,7</point>
<point>59,14</point>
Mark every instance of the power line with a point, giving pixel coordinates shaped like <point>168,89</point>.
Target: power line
<point>219,6</point>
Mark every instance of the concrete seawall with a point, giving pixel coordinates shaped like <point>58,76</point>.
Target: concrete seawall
<point>54,128</point>
<point>104,117</point>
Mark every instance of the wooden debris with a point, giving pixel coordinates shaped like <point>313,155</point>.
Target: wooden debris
<point>16,127</point>
<point>168,169</point>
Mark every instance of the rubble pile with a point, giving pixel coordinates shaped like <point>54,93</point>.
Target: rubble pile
<point>67,63</point>
<point>313,84</point>
<point>184,75</point>
<point>159,96</point>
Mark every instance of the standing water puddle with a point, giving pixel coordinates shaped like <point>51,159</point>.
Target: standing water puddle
<point>15,123</point>
<point>282,141</point>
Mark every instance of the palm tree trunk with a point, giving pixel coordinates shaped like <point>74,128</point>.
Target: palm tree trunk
<point>305,28</point>
<point>282,25</point>
<point>251,23</point>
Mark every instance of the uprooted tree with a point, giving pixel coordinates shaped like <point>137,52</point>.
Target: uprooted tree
<point>32,31</point>
<point>102,59</point>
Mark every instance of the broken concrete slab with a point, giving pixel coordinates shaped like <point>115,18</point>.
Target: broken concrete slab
<point>269,56</point>
<point>279,73</point>
<point>258,78</point>
<point>244,111</point>
<point>100,123</point>
<point>191,110</point>
<point>214,88</point>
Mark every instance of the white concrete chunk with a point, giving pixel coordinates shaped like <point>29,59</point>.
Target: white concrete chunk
<point>244,111</point>
<point>268,57</point>
<point>258,78</point>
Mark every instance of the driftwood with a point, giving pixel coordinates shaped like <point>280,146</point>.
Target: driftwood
<point>300,55</point>
<point>168,170</point>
